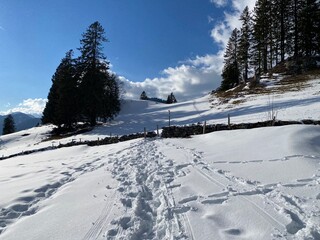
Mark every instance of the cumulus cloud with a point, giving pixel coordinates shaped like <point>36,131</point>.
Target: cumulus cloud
<point>29,106</point>
<point>189,80</point>
<point>219,3</point>
<point>200,75</point>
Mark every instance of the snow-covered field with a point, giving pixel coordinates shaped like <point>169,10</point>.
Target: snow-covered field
<point>262,183</point>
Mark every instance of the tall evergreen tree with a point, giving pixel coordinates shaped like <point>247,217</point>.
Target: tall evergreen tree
<point>261,33</point>
<point>95,80</point>
<point>310,27</point>
<point>62,105</point>
<point>231,72</point>
<point>68,107</point>
<point>8,125</point>
<point>244,42</point>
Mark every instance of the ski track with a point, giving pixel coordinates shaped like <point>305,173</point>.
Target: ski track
<point>291,207</point>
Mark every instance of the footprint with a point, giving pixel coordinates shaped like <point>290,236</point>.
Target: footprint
<point>214,201</point>
<point>233,231</point>
<point>296,224</point>
<point>188,199</point>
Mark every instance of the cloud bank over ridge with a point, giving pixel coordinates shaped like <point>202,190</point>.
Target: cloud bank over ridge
<point>200,75</point>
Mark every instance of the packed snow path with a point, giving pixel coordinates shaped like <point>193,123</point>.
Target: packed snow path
<point>167,189</point>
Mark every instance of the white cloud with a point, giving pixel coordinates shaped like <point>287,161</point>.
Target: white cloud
<point>192,79</point>
<point>198,76</point>
<point>219,3</point>
<point>29,106</point>
<point>221,32</point>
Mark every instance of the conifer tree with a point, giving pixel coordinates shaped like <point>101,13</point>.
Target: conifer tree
<point>62,104</point>
<point>244,42</point>
<point>8,125</point>
<point>96,84</point>
<point>261,33</point>
<point>231,72</point>
<point>171,99</point>
<point>310,27</point>
<point>143,96</point>
<point>68,108</point>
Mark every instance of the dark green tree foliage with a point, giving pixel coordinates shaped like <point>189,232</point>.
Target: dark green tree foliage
<point>97,86</point>
<point>62,105</point>
<point>280,29</point>
<point>84,89</point>
<point>171,99</point>
<point>51,108</point>
<point>143,96</point>
<point>310,27</point>
<point>231,72</point>
<point>8,125</point>
<point>244,42</point>
<point>111,102</point>
<point>262,34</point>
<point>68,92</point>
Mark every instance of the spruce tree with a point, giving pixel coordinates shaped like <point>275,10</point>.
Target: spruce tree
<point>143,96</point>
<point>67,104</point>
<point>8,125</point>
<point>231,72</point>
<point>244,42</point>
<point>171,99</point>
<point>310,27</point>
<point>62,104</point>
<point>97,86</point>
<point>262,35</point>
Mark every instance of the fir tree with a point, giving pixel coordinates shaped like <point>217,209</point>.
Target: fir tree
<point>231,72</point>
<point>68,108</point>
<point>171,99</point>
<point>8,125</point>
<point>143,96</point>
<point>310,27</point>
<point>262,35</point>
<point>62,106</point>
<point>244,42</point>
<point>96,84</point>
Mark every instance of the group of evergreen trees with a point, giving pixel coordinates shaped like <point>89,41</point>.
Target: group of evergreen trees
<point>170,99</point>
<point>83,89</point>
<point>274,31</point>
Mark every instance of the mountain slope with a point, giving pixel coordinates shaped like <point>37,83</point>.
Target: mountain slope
<point>22,121</point>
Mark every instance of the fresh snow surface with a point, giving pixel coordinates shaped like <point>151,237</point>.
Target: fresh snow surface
<point>261,183</point>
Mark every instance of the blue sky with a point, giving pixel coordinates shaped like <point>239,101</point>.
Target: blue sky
<point>155,45</point>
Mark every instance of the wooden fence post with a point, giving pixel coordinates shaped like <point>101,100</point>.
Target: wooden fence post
<point>229,121</point>
<point>157,130</point>
<point>169,118</point>
<point>145,132</point>
<point>204,127</point>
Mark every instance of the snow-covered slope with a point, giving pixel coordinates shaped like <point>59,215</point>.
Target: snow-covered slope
<point>242,184</point>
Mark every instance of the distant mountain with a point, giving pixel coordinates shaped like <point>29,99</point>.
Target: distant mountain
<point>22,121</point>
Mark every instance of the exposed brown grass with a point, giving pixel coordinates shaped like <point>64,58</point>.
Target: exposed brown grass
<point>290,83</point>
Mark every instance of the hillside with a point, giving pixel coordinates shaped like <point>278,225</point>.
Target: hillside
<point>22,121</point>
<point>262,183</point>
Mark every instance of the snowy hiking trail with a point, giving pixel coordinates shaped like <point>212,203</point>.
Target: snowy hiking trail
<point>149,183</point>
<point>164,189</point>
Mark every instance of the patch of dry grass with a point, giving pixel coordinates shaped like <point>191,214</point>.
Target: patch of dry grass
<point>290,83</point>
